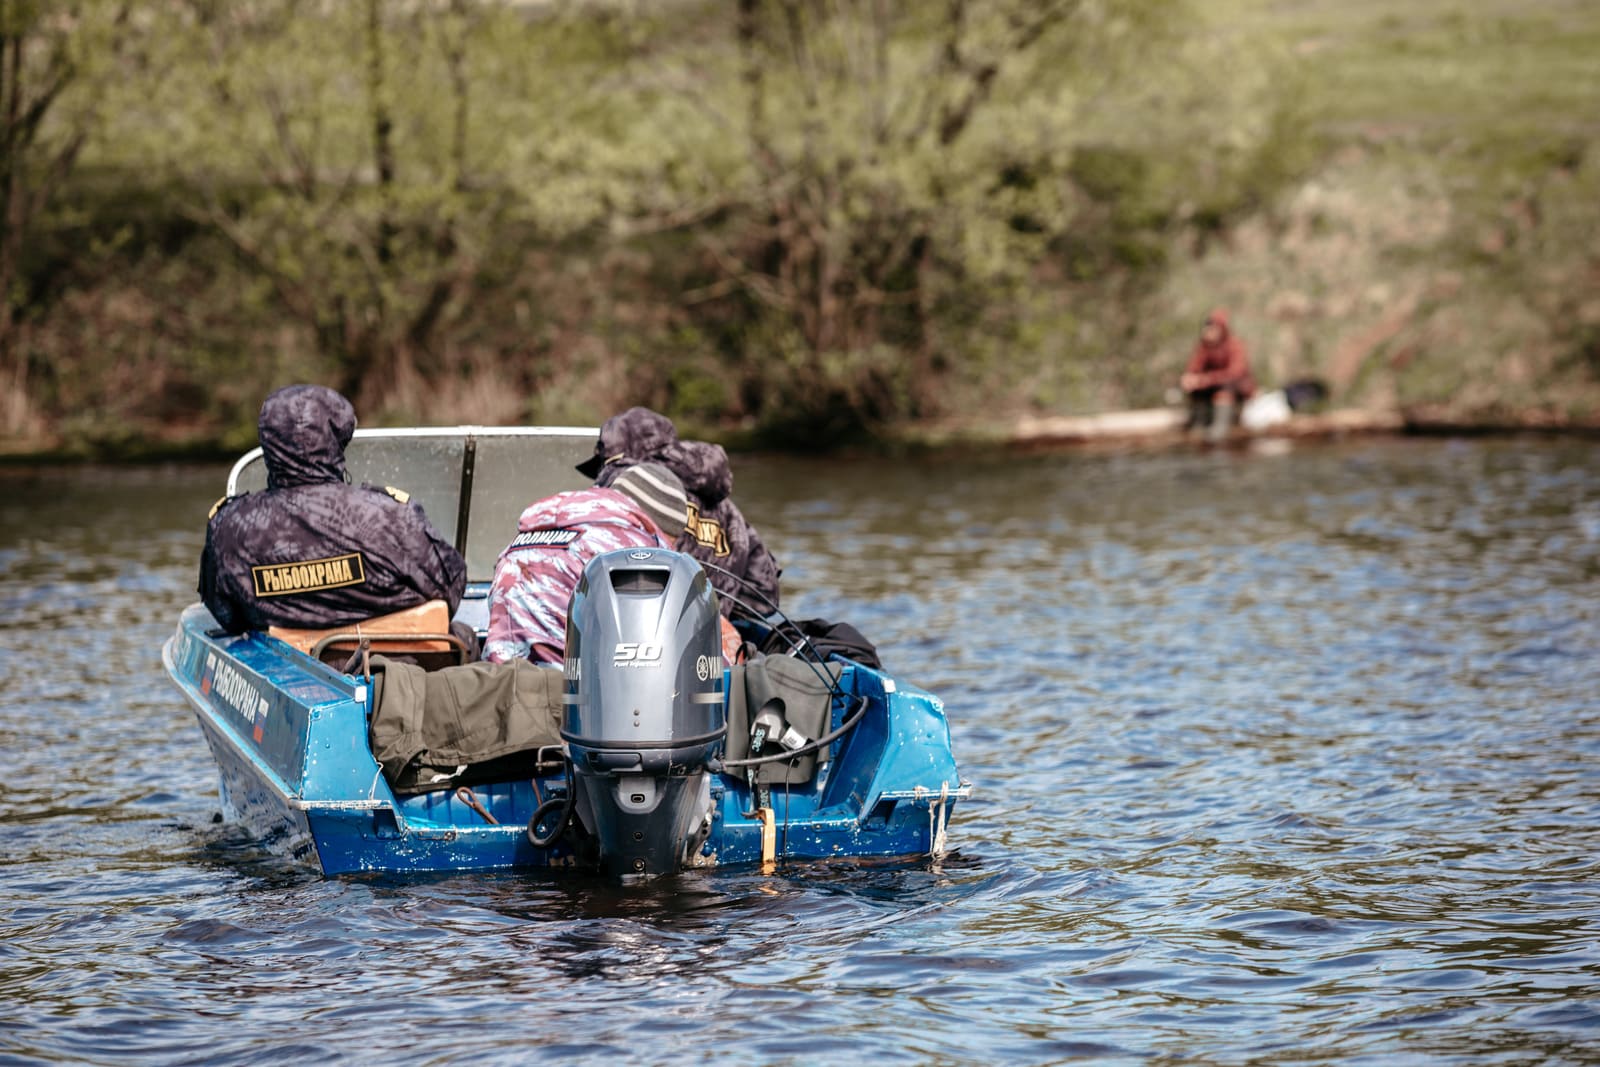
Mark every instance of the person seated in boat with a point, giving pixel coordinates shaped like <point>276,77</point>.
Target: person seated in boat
<point>1217,380</point>
<point>717,532</point>
<point>313,551</point>
<point>557,536</point>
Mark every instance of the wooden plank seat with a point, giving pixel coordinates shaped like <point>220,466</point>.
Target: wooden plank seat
<point>421,634</point>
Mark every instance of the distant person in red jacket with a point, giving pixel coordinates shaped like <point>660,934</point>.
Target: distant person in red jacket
<point>1217,380</point>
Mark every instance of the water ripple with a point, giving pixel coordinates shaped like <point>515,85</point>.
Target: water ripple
<point>1279,757</point>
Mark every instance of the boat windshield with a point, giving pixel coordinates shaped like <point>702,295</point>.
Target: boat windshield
<point>473,481</point>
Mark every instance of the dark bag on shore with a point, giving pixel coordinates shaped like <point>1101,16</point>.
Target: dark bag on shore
<point>1305,393</point>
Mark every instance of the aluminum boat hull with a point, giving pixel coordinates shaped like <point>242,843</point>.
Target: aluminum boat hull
<point>289,736</point>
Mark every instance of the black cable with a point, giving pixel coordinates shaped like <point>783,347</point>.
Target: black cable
<point>539,840</point>
<point>815,661</point>
<point>831,684</point>
<point>744,582</point>
<point>788,790</point>
<point>772,608</point>
<point>805,749</point>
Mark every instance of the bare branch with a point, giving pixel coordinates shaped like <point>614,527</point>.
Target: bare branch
<point>944,60</point>
<point>294,296</point>
<point>454,47</point>
<point>754,78</point>
<point>66,157</point>
<point>682,218</point>
<point>1028,27</point>
<point>302,169</point>
<point>714,291</point>
<point>21,131</point>
<point>764,287</point>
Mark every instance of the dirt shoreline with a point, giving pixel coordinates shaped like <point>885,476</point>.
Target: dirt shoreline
<point>1157,428</point>
<point>1152,428</point>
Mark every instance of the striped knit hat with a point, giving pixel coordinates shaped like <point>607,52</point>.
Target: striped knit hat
<point>659,493</point>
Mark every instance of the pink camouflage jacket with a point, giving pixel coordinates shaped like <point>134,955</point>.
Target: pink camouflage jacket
<point>538,572</point>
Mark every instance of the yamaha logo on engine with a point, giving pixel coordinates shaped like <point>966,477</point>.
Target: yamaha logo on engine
<point>633,654</point>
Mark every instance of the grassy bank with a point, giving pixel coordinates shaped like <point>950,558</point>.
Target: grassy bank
<point>850,224</point>
<point>1441,257</point>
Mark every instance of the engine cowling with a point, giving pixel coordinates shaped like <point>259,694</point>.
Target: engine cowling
<point>644,706</point>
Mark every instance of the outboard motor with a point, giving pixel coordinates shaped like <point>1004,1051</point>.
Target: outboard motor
<point>645,707</point>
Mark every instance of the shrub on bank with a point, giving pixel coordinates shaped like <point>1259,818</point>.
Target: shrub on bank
<point>813,221</point>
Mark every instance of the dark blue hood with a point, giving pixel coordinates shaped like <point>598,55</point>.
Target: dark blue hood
<point>634,436</point>
<point>304,430</point>
<point>703,468</point>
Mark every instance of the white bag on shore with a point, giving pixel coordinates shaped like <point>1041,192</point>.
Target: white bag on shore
<point>1264,410</point>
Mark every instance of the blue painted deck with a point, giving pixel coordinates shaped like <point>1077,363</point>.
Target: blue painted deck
<point>289,736</point>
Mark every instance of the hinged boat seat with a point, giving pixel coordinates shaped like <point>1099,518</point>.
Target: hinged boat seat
<point>421,634</point>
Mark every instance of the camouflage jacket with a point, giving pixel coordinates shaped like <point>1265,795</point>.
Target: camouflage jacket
<point>717,533</point>
<point>312,551</point>
<point>539,571</point>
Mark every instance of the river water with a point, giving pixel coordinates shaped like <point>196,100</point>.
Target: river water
<point>1286,754</point>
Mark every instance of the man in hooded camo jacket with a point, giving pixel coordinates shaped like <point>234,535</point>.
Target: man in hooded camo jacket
<point>313,551</point>
<point>717,532</point>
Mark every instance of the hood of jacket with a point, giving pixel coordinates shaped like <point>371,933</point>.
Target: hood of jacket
<point>304,430</point>
<point>1219,318</point>
<point>634,436</point>
<point>703,468</point>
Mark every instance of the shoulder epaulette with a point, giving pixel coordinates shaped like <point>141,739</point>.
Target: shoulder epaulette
<point>399,494</point>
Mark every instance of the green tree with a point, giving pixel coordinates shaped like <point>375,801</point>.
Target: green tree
<point>901,159</point>
<point>348,189</point>
<point>55,61</point>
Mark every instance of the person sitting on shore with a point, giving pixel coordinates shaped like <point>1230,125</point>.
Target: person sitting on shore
<point>556,538</point>
<point>1217,380</point>
<point>741,567</point>
<point>313,551</point>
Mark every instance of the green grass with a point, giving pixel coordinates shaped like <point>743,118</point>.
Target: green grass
<point>1441,73</point>
<point>1457,168</point>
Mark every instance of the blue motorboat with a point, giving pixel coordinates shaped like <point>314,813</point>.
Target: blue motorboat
<point>647,777</point>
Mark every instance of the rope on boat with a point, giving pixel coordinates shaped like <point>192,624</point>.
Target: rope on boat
<point>938,821</point>
<point>769,840</point>
<point>470,799</point>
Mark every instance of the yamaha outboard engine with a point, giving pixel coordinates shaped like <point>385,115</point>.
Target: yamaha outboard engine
<point>644,707</point>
